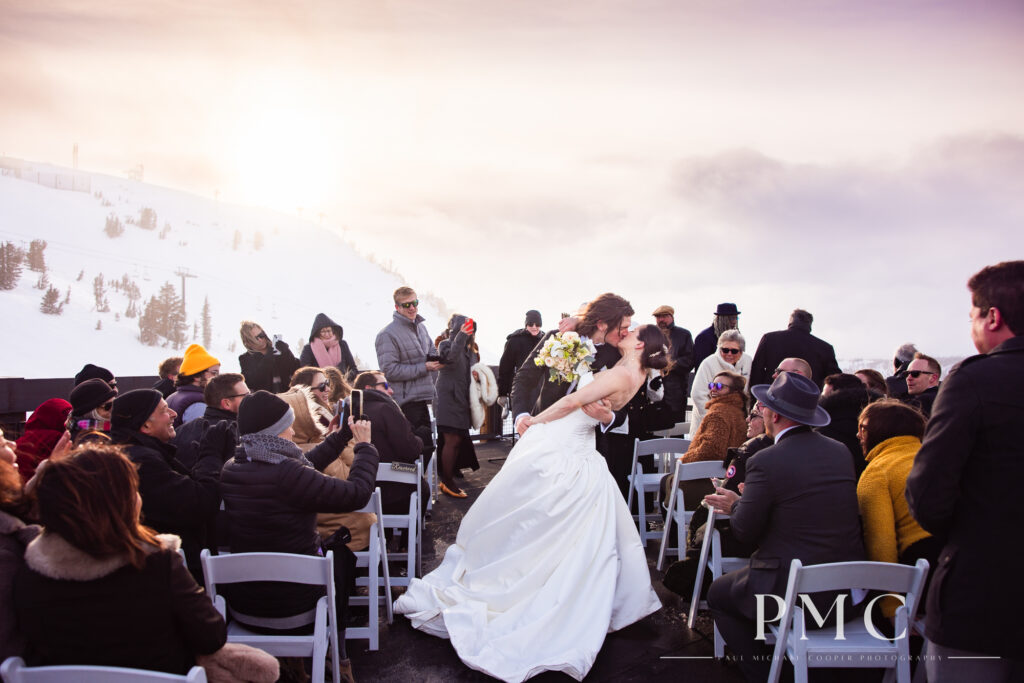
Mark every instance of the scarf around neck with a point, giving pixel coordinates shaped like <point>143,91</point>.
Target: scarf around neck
<point>326,355</point>
<point>271,449</point>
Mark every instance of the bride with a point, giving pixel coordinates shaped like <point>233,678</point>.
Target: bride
<point>548,559</point>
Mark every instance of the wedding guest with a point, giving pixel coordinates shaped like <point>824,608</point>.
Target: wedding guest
<point>42,432</point>
<point>727,317</point>
<point>890,435</point>
<point>794,341</point>
<point>843,398</point>
<point>91,402</point>
<point>90,371</point>
<point>729,358</point>
<point>327,347</point>
<point>265,364</point>
<point>316,381</point>
<point>168,372</point>
<point>458,351</point>
<point>922,377</point>
<point>518,345</point>
<point>896,384</point>
<point>222,396</point>
<point>197,368</point>
<point>98,588</point>
<point>15,534</point>
<point>677,379</point>
<point>873,380</point>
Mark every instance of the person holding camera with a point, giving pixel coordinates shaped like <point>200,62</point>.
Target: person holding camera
<point>267,363</point>
<point>458,351</point>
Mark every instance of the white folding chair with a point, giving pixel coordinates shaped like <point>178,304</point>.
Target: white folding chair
<point>284,567</point>
<point>641,484</point>
<point>857,647</point>
<point>13,670</point>
<point>676,506</point>
<point>375,559</point>
<point>411,523</point>
<point>679,429</point>
<point>432,480</point>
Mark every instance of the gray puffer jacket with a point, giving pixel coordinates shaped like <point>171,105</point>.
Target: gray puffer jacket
<point>402,349</point>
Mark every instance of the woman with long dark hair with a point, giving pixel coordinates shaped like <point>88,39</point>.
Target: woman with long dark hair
<point>97,586</point>
<point>458,351</point>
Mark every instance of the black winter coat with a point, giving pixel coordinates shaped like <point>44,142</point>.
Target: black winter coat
<point>175,499</point>
<point>676,382</point>
<point>347,364</point>
<point>392,436</point>
<point>964,489</point>
<point>844,408</point>
<point>451,404</point>
<point>269,371</point>
<point>923,401</point>
<point>517,347</point>
<point>795,342</point>
<point>186,438</point>
<point>704,345</point>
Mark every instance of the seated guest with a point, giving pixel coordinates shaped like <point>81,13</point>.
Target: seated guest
<point>272,492</point>
<point>91,402</point>
<point>222,396</point>
<point>90,371</point>
<point>168,372</point>
<point>97,587</point>
<point>175,499</point>
<point>266,364</point>
<point>327,347</point>
<point>15,534</point>
<point>729,357</point>
<point>197,368</point>
<point>890,434</point>
<point>42,432</point>
<point>316,380</point>
<point>873,380</point>
<point>896,384</point>
<point>922,377</point>
<point>843,397</point>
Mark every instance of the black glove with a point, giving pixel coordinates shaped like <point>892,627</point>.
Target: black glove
<point>656,383</point>
<point>219,440</point>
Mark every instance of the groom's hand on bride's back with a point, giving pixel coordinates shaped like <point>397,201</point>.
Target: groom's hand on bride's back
<point>567,324</point>
<point>600,410</point>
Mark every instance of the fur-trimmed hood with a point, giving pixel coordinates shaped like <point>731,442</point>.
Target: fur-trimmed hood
<point>309,415</point>
<point>483,391</point>
<point>52,556</point>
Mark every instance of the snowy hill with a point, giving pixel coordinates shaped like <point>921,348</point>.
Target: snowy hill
<point>249,264</point>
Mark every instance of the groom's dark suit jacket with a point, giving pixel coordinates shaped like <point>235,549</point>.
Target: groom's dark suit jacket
<point>799,502</point>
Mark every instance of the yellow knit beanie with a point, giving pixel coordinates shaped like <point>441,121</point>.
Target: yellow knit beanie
<point>196,360</point>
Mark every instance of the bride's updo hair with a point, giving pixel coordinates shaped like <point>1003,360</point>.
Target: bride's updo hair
<point>657,349</point>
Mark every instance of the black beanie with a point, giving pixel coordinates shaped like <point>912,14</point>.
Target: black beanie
<point>132,408</point>
<point>91,371</point>
<point>533,318</point>
<point>264,412</point>
<point>90,395</point>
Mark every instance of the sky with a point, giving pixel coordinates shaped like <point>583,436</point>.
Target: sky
<point>859,160</point>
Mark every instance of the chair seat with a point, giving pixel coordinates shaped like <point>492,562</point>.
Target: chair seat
<point>858,648</point>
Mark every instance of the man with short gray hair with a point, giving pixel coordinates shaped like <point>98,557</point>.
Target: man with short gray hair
<point>796,341</point>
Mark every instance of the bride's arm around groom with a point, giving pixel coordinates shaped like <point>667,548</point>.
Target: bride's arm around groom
<point>614,387</point>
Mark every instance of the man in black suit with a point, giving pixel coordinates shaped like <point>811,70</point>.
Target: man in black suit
<point>794,342</point>
<point>799,501</point>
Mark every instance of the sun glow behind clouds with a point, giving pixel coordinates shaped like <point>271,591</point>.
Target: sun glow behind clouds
<point>283,150</point>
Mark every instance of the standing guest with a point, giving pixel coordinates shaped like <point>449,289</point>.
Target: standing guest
<point>14,536</point>
<point>873,380</point>
<point>897,382</point>
<point>726,318</point>
<point>890,436</point>
<point>730,358</point>
<point>272,492</point>
<point>328,348</point>
<point>676,382</point>
<point>403,347</point>
<point>798,342</point>
<point>197,368</point>
<point>91,402</point>
<point>963,489</point>
<point>90,371</point>
<point>175,499</point>
<point>266,364</point>
<point>843,398</point>
<point>517,347</point>
<point>98,588</point>
<point>922,377</point>
<point>42,432</point>
<point>222,396</point>
<point>458,352</point>
<point>799,501</point>
<point>168,372</point>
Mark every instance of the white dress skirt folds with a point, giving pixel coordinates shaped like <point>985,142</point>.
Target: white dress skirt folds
<point>546,562</point>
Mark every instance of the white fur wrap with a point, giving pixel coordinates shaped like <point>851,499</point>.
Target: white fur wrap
<point>483,391</point>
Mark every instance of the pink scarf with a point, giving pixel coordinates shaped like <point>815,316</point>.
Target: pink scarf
<point>326,356</point>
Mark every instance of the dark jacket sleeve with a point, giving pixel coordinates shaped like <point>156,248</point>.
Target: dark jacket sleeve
<point>307,489</point>
<point>348,362</point>
<point>528,381</point>
<point>831,364</point>
<point>329,449</point>
<point>171,496</point>
<point>933,487</point>
<point>759,371</point>
<point>751,514</point>
<point>199,622</point>
<point>683,354</point>
<point>402,443</point>
<point>286,362</point>
<point>506,368</point>
<point>306,357</point>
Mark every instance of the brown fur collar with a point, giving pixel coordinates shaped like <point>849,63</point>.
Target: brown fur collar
<point>52,556</point>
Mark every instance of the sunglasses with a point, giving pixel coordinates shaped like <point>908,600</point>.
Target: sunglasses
<point>248,393</point>
<point>718,386</point>
<point>108,405</point>
<point>917,373</point>
<point>382,384</point>
<point>410,304</point>
<point>755,416</point>
<point>726,349</point>
<point>323,386</point>
<point>262,335</point>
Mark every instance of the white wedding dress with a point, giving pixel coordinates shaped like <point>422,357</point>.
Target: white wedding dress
<point>546,562</point>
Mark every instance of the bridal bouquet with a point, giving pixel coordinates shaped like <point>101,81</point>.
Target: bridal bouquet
<point>566,356</point>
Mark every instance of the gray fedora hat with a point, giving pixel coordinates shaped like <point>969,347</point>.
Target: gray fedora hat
<point>793,396</point>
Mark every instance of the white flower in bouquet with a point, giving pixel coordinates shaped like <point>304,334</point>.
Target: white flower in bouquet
<point>566,356</point>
